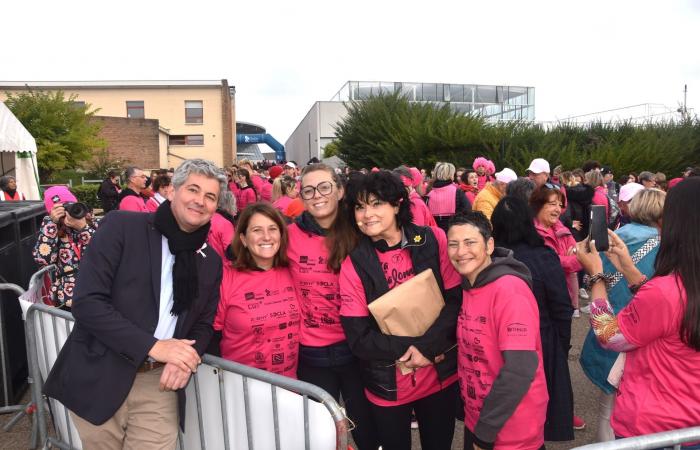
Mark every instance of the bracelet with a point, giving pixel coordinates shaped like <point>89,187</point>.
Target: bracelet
<point>635,287</point>
<point>600,276</point>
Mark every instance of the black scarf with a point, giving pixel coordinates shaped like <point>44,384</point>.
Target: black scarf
<point>307,223</point>
<point>183,245</point>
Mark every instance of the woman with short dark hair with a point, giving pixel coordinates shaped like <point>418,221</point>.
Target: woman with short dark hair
<point>498,336</point>
<point>390,251</point>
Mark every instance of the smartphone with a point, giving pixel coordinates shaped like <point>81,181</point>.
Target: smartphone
<point>598,230</point>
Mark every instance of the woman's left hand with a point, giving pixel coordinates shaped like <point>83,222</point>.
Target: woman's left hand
<point>588,256</point>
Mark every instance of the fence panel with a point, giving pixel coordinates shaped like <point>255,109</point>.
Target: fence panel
<point>230,406</point>
<point>667,439</point>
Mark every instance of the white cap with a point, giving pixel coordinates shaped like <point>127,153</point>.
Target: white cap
<point>539,165</point>
<point>506,175</point>
<point>291,164</point>
<point>629,190</point>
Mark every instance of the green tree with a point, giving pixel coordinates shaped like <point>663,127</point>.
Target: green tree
<point>331,149</point>
<point>388,130</point>
<point>64,132</point>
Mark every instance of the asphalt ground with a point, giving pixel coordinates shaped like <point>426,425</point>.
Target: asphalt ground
<point>585,406</point>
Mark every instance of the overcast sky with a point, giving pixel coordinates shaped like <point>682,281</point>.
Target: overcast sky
<point>282,56</point>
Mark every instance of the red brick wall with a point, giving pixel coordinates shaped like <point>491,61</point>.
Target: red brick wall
<point>135,140</point>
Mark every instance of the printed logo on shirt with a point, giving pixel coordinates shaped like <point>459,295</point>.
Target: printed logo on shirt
<point>516,329</point>
<point>259,357</point>
<point>303,259</point>
<point>283,326</point>
<point>471,392</point>
<point>253,305</point>
<point>249,295</point>
<point>399,277</point>
<point>397,258</point>
<point>277,359</point>
<point>480,319</point>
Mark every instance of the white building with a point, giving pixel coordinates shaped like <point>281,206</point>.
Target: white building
<point>317,128</point>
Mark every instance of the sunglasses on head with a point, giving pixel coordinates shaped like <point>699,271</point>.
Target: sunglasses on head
<point>551,186</point>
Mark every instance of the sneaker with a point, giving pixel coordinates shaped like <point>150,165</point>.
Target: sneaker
<point>576,314</point>
<point>579,423</point>
<point>586,309</point>
<point>582,293</point>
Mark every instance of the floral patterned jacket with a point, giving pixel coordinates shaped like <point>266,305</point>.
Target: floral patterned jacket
<point>65,252</point>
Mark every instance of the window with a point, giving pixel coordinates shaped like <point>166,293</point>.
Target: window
<point>134,109</point>
<point>194,113</point>
<point>188,139</point>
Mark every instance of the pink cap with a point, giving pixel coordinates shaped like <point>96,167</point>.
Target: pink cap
<point>57,194</point>
<point>629,190</point>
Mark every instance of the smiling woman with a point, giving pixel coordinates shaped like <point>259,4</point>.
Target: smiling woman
<point>258,314</point>
<point>390,251</point>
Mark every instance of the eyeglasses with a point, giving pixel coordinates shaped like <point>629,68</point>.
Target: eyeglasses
<point>324,188</point>
<point>551,186</point>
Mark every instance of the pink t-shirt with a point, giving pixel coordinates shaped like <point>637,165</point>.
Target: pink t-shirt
<point>282,203</point>
<point>220,235</point>
<point>263,187</point>
<point>502,315</point>
<point>398,268</point>
<point>133,203</point>
<point>660,388</point>
<point>317,288</point>
<point>258,315</point>
<point>420,211</point>
<point>245,197</point>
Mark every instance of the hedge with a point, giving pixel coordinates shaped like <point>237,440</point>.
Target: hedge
<point>87,193</point>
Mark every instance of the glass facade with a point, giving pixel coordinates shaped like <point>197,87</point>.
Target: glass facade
<point>492,102</point>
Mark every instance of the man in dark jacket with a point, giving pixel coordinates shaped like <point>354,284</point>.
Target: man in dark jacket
<point>109,191</point>
<point>139,333</point>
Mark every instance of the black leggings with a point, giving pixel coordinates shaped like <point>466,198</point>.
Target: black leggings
<point>346,379</point>
<point>436,421</point>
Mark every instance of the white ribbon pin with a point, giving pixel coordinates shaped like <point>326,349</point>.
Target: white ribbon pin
<point>200,251</point>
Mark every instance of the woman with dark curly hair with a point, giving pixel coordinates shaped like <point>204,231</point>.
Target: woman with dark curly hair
<point>390,251</point>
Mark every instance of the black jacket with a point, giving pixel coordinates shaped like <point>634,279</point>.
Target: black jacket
<point>108,195</point>
<point>554,302</point>
<point>116,313</point>
<point>379,352</point>
<point>579,200</point>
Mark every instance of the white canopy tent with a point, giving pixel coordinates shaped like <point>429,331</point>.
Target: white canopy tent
<point>18,154</point>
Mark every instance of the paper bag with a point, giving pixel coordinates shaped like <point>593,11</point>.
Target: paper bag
<point>618,368</point>
<point>410,308</point>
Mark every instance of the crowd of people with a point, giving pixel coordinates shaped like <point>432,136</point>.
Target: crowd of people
<point>276,267</point>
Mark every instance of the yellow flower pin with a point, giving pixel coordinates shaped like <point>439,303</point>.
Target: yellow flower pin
<point>417,239</point>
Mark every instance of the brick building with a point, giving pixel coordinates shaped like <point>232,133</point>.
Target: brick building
<point>186,119</point>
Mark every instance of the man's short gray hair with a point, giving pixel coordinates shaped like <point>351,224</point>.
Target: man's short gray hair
<point>200,167</point>
<point>129,172</point>
<point>444,171</point>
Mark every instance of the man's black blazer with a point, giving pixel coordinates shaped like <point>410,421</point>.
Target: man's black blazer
<point>116,305</point>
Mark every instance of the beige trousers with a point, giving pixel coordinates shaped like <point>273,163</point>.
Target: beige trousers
<point>147,420</point>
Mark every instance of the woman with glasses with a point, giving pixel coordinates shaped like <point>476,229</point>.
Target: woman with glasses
<point>315,252</point>
<point>258,314</point>
<point>391,250</point>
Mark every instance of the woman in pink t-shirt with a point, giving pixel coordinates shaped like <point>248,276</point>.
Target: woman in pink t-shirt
<point>246,194</point>
<point>660,328</point>
<point>325,358</point>
<point>258,314</point>
<point>390,251</point>
<point>498,338</point>
<point>284,190</point>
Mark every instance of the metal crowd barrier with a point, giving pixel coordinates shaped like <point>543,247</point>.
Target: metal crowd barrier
<point>36,289</point>
<point>230,406</point>
<point>667,439</point>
